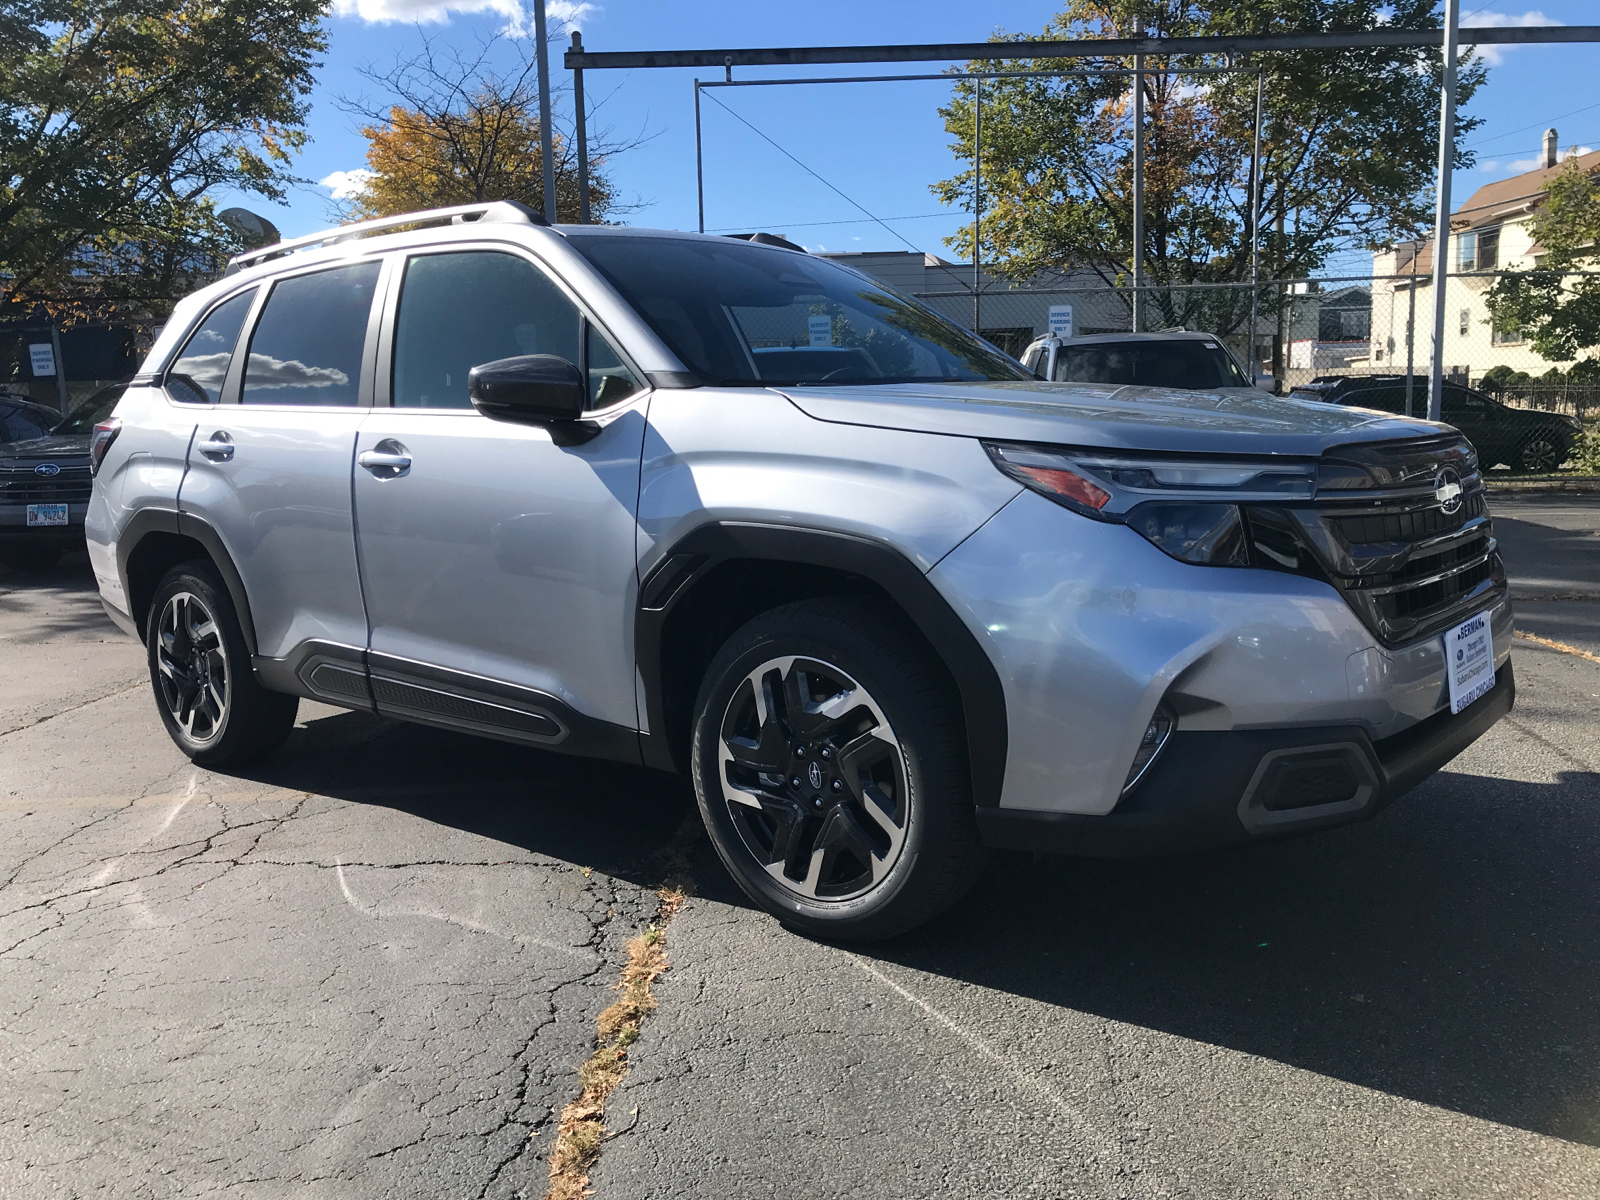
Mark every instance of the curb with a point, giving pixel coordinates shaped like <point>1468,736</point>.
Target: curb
<point>1585,485</point>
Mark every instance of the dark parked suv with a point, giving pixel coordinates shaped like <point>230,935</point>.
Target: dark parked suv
<point>1522,438</point>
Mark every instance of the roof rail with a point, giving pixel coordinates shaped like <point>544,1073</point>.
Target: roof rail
<point>492,212</point>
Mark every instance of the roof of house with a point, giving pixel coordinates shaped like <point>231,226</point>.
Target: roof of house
<point>1510,197</point>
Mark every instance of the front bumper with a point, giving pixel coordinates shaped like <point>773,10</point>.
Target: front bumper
<point>1219,788</point>
<point>15,530</point>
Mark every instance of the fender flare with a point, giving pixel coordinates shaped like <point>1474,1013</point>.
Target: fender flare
<point>149,521</point>
<point>705,548</point>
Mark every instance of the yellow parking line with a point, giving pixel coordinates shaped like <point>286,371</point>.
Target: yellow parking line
<point>1555,645</point>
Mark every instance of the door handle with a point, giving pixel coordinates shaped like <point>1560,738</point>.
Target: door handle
<point>218,449</point>
<point>387,460</point>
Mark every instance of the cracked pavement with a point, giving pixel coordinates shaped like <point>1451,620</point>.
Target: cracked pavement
<point>371,967</point>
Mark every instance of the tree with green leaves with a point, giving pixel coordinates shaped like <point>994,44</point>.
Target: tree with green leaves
<point>1349,146</point>
<point>119,119</point>
<point>1557,312</point>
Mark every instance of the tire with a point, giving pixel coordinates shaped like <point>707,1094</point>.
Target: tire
<point>200,671</point>
<point>1541,453</point>
<point>830,768</point>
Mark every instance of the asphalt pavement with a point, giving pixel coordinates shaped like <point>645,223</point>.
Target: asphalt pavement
<point>371,968</point>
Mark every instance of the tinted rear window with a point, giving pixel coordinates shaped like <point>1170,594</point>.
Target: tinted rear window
<point>1174,364</point>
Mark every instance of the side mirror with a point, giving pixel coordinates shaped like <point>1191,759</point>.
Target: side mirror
<point>1266,383</point>
<point>531,389</point>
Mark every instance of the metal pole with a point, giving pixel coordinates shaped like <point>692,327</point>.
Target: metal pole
<point>1411,333</point>
<point>1441,220</point>
<point>1255,236</point>
<point>581,132</point>
<point>977,198</point>
<point>61,367</point>
<point>1138,192</point>
<point>546,137</point>
<point>699,175</point>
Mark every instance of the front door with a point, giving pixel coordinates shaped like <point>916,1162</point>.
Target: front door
<point>498,561</point>
<point>269,467</point>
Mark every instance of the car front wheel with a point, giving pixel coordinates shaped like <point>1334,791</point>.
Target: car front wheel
<point>829,768</point>
<point>1541,454</point>
<point>205,690</point>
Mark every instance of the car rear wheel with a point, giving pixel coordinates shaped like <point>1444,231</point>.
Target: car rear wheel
<point>205,690</point>
<point>1540,453</point>
<point>829,768</point>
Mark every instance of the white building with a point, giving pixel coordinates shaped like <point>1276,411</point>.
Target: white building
<point>1488,234</point>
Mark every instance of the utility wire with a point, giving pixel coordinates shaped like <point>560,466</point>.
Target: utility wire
<point>1525,128</point>
<point>893,232</point>
<point>813,224</point>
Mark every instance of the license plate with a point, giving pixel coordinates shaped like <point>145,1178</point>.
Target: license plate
<point>47,514</point>
<point>1469,660</point>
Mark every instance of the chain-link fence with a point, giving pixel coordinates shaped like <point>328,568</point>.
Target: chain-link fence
<point>1364,342</point>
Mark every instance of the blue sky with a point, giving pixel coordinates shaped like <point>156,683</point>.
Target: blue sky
<point>879,144</point>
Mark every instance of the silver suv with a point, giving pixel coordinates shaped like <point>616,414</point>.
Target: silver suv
<point>729,510</point>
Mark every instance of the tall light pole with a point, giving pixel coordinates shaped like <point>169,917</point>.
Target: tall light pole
<point>1138,192</point>
<point>977,199</point>
<point>1441,219</point>
<point>546,140</point>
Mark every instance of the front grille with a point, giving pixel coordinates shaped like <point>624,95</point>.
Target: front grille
<point>1408,526</point>
<point>21,484</point>
<point>74,492</point>
<point>1407,568</point>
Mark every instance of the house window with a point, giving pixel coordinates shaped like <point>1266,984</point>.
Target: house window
<point>1505,337</point>
<point>1478,250</point>
<point>1488,249</point>
<point>1466,321</point>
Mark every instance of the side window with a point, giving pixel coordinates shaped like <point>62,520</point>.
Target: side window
<point>609,379</point>
<point>196,376</point>
<point>306,348</point>
<point>464,309</point>
<point>1459,404</point>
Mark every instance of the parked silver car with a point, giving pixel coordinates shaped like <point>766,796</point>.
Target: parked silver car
<point>732,511</point>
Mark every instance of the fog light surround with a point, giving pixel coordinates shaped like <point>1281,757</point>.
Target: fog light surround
<point>1156,734</point>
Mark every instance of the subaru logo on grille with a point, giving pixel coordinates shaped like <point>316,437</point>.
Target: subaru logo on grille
<point>47,469</point>
<point>1447,489</point>
<point>816,775</point>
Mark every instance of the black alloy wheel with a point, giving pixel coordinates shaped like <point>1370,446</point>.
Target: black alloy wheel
<point>205,688</point>
<point>830,769</point>
<point>813,778</point>
<point>192,664</point>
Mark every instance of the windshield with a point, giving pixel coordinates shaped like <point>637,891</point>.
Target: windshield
<point>1176,364</point>
<point>92,411</point>
<point>737,313</point>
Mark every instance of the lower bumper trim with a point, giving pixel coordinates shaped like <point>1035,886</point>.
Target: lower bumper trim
<point>1214,789</point>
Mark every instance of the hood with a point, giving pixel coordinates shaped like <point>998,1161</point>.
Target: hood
<point>1109,417</point>
<point>51,446</point>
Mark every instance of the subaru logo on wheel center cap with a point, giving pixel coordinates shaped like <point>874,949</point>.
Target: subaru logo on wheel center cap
<point>1447,489</point>
<point>815,774</point>
<point>47,469</point>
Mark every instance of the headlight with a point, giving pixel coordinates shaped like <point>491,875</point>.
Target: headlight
<point>1187,506</point>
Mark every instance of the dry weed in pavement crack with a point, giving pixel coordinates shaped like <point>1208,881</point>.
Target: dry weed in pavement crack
<point>1552,644</point>
<point>582,1129</point>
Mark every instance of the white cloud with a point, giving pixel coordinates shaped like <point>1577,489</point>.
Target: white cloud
<point>562,16</point>
<point>267,371</point>
<point>1495,55</point>
<point>346,185</point>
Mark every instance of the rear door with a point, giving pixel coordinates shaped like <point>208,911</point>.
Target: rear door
<point>498,562</point>
<point>269,468</point>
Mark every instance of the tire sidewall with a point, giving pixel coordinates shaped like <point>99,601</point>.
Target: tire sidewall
<point>782,634</point>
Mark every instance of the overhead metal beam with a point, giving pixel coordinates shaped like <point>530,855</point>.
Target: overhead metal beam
<point>787,56</point>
